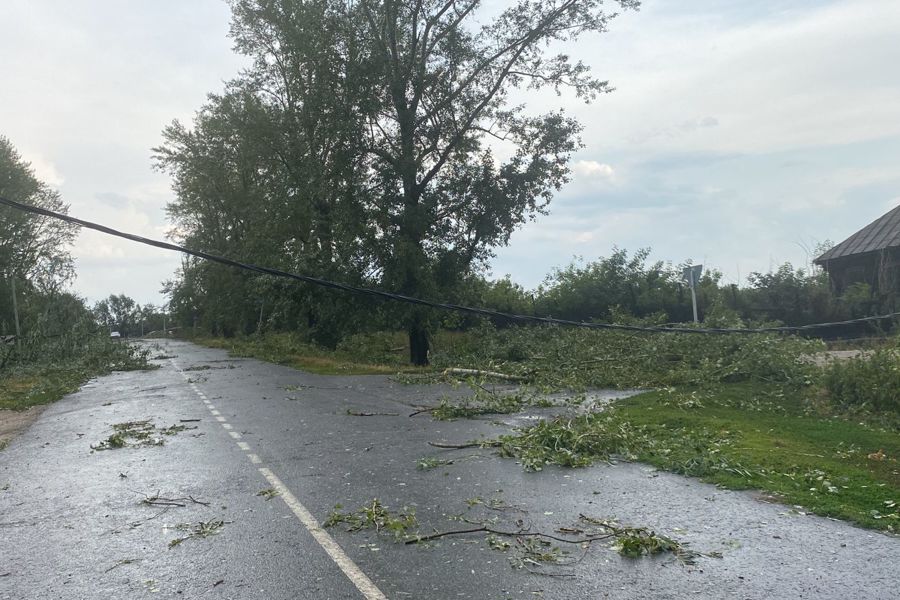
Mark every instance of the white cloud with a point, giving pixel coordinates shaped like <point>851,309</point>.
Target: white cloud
<point>583,237</point>
<point>43,169</point>
<point>791,79</point>
<point>591,169</point>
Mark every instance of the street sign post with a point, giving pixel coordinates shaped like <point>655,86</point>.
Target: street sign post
<point>691,276</point>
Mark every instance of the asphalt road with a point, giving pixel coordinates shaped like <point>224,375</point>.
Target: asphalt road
<point>73,523</point>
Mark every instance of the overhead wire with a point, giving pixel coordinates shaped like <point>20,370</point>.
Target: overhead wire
<point>391,296</point>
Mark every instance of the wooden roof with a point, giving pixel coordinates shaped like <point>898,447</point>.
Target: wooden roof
<point>878,235</point>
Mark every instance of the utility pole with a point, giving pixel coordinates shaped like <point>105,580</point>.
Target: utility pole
<point>15,303</point>
<point>694,297</point>
<point>692,276</point>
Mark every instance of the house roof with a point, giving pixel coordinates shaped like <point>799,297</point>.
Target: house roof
<point>883,233</point>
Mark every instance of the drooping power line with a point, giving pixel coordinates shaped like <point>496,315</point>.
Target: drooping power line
<point>419,301</point>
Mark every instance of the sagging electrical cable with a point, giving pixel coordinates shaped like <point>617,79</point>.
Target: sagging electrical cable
<point>485,312</point>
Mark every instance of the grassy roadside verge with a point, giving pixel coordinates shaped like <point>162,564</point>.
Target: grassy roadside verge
<point>34,384</point>
<point>284,349</point>
<point>738,436</point>
<point>32,387</point>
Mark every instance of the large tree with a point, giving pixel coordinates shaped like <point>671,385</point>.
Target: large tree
<point>32,247</point>
<point>382,120</point>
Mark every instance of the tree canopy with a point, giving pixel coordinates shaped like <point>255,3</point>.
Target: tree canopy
<point>379,143</point>
<point>32,247</point>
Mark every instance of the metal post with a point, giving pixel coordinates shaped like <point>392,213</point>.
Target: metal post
<point>694,297</point>
<point>12,280</point>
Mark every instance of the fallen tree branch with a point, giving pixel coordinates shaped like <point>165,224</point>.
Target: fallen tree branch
<point>520,533</point>
<point>494,374</point>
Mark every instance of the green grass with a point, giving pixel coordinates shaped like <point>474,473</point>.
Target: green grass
<point>40,385</point>
<point>740,436</point>
<point>285,349</point>
<point>53,375</point>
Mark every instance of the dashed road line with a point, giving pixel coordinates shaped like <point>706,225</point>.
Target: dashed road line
<point>337,554</point>
<point>350,569</point>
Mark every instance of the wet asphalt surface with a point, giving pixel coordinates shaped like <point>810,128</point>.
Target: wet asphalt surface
<point>73,525</point>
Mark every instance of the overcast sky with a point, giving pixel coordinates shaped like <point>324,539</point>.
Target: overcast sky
<point>740,134</point>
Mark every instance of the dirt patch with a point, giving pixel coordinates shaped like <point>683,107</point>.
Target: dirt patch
<point>14,422</point>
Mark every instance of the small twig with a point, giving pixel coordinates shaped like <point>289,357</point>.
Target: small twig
<point>157,500</point>
<point>355,413</point>
<point>423,410</point>
<point>124,561</point>
<point>484,389</point>
<point>548,573</point>
<point>162,502</point>
<point>486,444</point>
<point>189,420</point>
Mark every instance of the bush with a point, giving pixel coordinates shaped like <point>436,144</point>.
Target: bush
<point>869,381</point>
<point>557,357</point>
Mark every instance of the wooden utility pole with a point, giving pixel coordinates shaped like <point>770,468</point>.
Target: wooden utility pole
<point>15,303</point>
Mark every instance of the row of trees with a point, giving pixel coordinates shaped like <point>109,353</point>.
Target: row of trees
<point>621,288</point>
<point>360,147</point>
<point>122,314</point>
<point>625,287</point>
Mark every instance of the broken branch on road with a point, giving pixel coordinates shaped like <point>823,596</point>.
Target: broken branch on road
<point>484,444</point>
<point>157,500</point>
<point>481,373</point>
<point>356,413</point>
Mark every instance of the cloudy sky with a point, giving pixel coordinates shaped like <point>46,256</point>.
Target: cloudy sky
<point>740,134</point>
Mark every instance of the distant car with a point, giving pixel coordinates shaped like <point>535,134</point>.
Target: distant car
<point>115,334</point>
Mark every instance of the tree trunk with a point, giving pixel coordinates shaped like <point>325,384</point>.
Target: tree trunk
<point>418,344</point>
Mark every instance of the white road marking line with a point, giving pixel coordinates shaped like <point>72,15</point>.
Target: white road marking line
<point>362,582</point>
<point>353,572</point>
<point>214,412</point>
<point>244,446</point>
<point>226,425</point>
